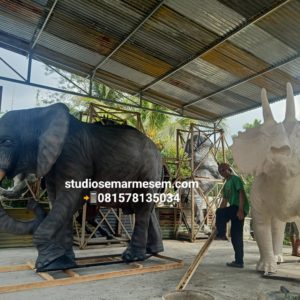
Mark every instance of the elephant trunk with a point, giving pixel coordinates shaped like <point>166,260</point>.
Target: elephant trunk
<point>10,225</point>
<point>2,174</point>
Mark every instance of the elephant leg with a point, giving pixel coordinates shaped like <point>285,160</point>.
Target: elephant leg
<point>51,249</point>
<point>262,230</point>
<point>297,221</point>
<point>198,208</point>
<point>263,237</point>
<point>64,238</point>
<point>277,238</point>
<point>154,243</point>
<point>136,249</point>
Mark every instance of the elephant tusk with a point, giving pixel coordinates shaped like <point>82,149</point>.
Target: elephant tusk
<point>267,112</point>
<point>290,114</point>
<point>2,174</point>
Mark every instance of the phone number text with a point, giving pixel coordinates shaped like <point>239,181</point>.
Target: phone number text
<point>135,198</point>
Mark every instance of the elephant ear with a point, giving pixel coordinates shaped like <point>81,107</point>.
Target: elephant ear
<point>248,150</point>
<point>55,125</point>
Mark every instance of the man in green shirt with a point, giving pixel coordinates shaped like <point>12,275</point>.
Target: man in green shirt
<point>234,195</point>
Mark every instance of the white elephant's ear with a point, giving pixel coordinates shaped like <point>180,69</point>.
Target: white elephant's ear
<point>248,151</point>
<point>56,125</point>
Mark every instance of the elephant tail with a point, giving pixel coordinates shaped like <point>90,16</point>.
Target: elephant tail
<point>10,225</point>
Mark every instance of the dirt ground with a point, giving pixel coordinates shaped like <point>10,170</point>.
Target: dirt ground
<point>212,276</point>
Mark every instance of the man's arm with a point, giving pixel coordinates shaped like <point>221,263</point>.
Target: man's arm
<point>223,203</point>
<point>240,214</point>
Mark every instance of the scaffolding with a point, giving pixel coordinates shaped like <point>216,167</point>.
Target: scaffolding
<point>101,113</point>
<point>186,227</point>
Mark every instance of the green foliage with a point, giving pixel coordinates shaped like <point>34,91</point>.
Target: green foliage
<point>254,124</point>
<point>6,183</point>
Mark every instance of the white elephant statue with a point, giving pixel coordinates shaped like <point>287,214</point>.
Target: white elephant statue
<point>271,152</point>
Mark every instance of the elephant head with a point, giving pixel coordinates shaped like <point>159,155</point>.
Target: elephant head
<point>33,148</point>
<point>36,146</point>
<point>205,164</point>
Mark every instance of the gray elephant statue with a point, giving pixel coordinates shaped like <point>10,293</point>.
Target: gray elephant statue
<point>50,142</point>
<point>205,166</point>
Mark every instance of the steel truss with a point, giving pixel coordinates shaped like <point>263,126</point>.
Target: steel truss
<point>83,93</point>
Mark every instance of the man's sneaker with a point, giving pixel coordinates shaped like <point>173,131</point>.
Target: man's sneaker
<point>221,238</point>
<point>234,264</point>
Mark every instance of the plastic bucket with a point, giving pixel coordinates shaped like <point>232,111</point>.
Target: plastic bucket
<point>187,295</point>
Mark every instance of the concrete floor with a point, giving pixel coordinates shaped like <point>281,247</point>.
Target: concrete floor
<point>212,276</point>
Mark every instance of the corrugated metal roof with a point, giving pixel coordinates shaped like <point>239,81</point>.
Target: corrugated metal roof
<point>204,58</point>
<point>211,14</point>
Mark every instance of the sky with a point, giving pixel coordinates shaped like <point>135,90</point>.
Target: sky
<point>19,96</point>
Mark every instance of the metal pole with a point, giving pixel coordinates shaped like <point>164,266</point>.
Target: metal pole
<point>29,68</point>
<point>1,91</point>
<point>223,146</point>
<point>13,69</point>
<point>44,25</point>
<point>192,189</point>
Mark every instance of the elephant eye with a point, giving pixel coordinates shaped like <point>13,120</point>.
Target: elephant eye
<point>7,142</point>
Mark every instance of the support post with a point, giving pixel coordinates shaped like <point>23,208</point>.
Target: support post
<point>29,65</point>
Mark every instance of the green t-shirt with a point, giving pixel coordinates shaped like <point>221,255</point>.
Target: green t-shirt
<point>231,192</point>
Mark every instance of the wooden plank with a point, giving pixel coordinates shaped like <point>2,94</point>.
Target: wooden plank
<point>71,273</point>
<point>136,265</point>
<point>5,269</point>
<point>44,275</point>
<point>91,277</point>
<point>168,258</point>
<point>198,259</point>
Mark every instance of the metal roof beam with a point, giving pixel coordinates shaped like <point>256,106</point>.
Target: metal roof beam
<point>103,61</point>
<point>90,96</point>
<point>66,78</point>
<point>242,81</point>
<point>219,42</point>
<point>12,68</point>
<point>36,38</point>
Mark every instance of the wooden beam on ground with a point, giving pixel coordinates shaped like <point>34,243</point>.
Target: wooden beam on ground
<point>5,269</point>
<point>44,275</point>
<point>194,265</point>
<point>76,278</point>
<point>71,273</point>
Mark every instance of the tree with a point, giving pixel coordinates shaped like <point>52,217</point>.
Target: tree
<point>254,124</point>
